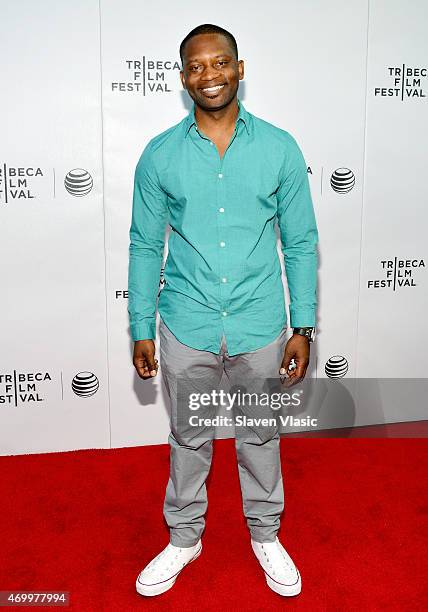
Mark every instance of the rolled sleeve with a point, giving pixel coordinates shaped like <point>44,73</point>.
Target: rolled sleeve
<point>147,242</point>
<point>299,237</point>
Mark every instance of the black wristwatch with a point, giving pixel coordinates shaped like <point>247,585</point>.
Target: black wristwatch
<point>308,332</point>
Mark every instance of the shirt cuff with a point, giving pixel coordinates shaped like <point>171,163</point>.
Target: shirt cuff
<point>302,317</point>
<point>144,330</point>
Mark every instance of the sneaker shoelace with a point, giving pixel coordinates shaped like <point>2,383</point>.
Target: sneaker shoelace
<point>168,555</point>
<point>277,553</point>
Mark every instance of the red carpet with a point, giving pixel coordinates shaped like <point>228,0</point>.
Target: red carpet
<point>355,524</point>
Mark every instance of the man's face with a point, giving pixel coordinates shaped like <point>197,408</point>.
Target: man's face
<point>211,72</point>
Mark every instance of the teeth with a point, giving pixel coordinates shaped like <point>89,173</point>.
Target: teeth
<point>212,89</point>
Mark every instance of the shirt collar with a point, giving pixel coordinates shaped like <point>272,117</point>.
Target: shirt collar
<point>242,114</point>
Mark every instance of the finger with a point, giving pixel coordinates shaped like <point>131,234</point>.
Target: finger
<point>152,365</point>
<point>144,368</point>
<point>299,373</point>
<point>292,380</point>
<point>140,364</point>
<point>144,372</point>
<point>301,369</point>
<point>285,365</point>
<point>288,381</point>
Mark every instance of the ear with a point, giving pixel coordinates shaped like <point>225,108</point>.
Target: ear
<point>241,69</point>
<point>183,81</point>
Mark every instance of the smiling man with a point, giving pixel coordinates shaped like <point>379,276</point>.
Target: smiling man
<point>222,178</point>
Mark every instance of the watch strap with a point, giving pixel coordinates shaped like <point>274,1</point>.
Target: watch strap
<point>308,332</point>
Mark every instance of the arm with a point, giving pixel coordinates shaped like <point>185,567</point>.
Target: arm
<point>147,241</point>
<point>299,238</point>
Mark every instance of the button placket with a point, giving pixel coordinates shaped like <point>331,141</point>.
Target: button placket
<point>221,224</point>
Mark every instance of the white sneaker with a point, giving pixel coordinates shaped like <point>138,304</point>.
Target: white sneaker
<point>282,575</point>
<point>162,571</point>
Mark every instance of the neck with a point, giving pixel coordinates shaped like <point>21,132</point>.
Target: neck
<point>221,120</point>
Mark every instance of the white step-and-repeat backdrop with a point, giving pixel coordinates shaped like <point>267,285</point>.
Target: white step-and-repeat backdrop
<point>86,84</point>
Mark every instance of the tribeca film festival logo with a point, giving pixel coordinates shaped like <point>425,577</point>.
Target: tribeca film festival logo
<point>404,82</point>
<point>23,387</point>
<point>397,273</point>
<point>17,388</point>
<point>22,182</point>
<point>147,76</point>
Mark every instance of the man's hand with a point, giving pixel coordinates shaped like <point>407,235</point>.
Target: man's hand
<point>297,348</point>
<point>144,359</point>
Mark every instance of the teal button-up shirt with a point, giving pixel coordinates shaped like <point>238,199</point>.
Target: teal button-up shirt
<point>222,274</point>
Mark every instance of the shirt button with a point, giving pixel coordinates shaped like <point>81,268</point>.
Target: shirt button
<point>224,313</point>
<point>220,176</point>
<point>221,209</point>
<point>211,143</point>
<point>222,244</point>
<point>224,279</point>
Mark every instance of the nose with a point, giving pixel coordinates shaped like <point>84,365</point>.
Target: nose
<point>209,74</point>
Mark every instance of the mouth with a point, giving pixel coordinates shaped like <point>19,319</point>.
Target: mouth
<point>210,92</point>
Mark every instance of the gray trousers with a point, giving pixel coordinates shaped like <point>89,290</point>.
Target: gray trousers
<point>258,458</point>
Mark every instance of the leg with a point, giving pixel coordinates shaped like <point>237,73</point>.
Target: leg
<point>186,370</point>
<point>258,449</point>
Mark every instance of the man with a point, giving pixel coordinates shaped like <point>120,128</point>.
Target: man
<point>222,178</point>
